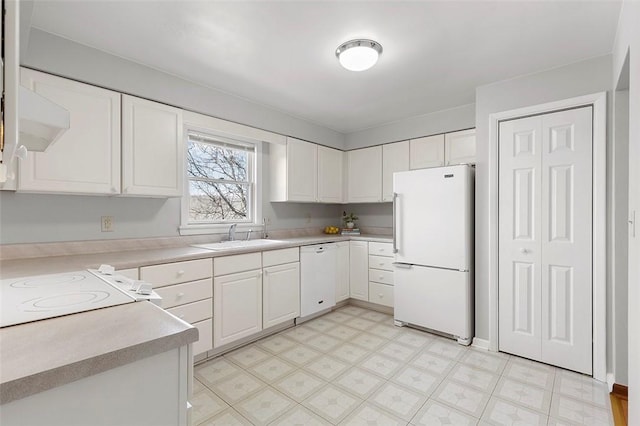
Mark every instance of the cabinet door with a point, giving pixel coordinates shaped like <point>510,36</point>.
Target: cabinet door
<point>359,270</point>
<point>426,152</point>
<point>365,175</point>
<point>237,306</point>
<point>329,175</point>
<point>395,158</point>
<point>342,275</point>
<point>281,294</point>
<point>152,148</point>
<point>86,158</point>
<point>302,171</point>
<point>460,147</point>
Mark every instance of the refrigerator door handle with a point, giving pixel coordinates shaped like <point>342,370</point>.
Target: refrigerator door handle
<point>402,265</point>
<point>393,226</point>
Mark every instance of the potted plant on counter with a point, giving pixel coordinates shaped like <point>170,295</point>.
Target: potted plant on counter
<point>349,219</point>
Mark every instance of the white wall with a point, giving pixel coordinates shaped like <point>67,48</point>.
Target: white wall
<point>628,43</point>
<point>590,76</point>
<point>459,118</point>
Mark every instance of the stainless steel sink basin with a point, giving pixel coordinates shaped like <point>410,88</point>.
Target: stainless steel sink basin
<point>226,245</point>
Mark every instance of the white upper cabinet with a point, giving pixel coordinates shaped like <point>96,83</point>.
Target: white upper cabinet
<point>460,147</point>
<point>365,175</point>
<point>330,169</point>
<point>426,152</point>
<point>152,148</point>
<point>86,158</point>
<point>294,171</point>
<point>395,158</point>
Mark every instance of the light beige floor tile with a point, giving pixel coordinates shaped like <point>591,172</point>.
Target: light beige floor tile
<point>461,397</point>
<point>359,382</point>
<point>206,404</point>
<point>583,388</point>
<point>368,341</point>
<point>272,369</point>
<point>402,402</point>
<point>247,356</point>
<point>215,370</point>
<point>493,362</point>
<point>237,387</point>
<point>343,332</point>
<point>353,310</point>
<point>381,365</point>
<point>568,409</point>
<point>376,316</point>
<point>448,349</point>
<point>300,355</point>
<point>530,372</point>
<point>433,363</point>
<point>338,317</point>
<point>385,331</point>
<point>523,394</point>
<point>398,351</point>
<point>434,413</point>
<point>332,404</point>
<point>482,380</point>
<point>369,415</point>
<point>198,386</point>
<point>418,380</point>
<point>300,333</point>
<point>352,354</point>
<point>326,367</point>
<point>500,412</point>
<point>265,406</point>
<point>414,338</point>
<point>300,416</point>
<point>276,344</point>
<point>323,342</point>
<point>299,385</point>
<point>360,324</point>
<point>320,324</point>
<point>228,417</point>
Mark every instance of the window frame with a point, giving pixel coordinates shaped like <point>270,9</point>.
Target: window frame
<point>188,227</point>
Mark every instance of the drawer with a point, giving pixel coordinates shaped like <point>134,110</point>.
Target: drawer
<point>380,262</point>
<point>280,257</point>
<point>381,249</point>
<point>129,273</point>
<point>194,312</point>
<point>238,263</point>
<point>381,294</point>
<point>205,337</point>
<point>178,272</point>
<point>181,294</point>
<point>380,276</point>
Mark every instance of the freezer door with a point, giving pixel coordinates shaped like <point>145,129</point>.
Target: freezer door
<point>438,299</point>
<point>433,217</point>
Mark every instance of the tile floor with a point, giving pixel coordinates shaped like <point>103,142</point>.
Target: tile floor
<point>354,367</point>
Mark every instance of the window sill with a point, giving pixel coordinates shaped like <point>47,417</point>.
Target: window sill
<point>210,228</point>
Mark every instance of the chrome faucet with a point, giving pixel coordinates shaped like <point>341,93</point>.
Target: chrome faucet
<point>249,234</point>
<point>265,235</point>
<point>232,232</point>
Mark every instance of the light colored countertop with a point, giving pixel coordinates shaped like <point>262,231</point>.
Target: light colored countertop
<point>45,354</point>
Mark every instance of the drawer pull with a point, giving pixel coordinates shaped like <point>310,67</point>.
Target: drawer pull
<point>179,295</point>
<point>380,295</point>
<point>181,272</point>
<point>381,263</point>
<point>381,249</point>
<point>181,316</point>
<point>380,277</point>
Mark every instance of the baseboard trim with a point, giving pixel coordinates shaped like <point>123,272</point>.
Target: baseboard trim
<point>480,343</point>
<point>620,391</point>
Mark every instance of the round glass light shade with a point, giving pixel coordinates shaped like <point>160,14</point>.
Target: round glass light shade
<point>358,55</point>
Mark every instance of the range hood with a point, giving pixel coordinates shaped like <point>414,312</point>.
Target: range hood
<point>40,121</point>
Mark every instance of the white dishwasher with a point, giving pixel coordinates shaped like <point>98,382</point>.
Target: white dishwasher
<point>318,264</point>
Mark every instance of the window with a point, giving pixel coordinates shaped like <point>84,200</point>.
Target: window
<point>221,179</point>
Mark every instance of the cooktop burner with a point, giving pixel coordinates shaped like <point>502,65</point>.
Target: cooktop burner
<point>47,281</point>
<point>60,301</point>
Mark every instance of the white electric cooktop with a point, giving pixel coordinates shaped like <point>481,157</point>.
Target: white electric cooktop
<point>47,296</point>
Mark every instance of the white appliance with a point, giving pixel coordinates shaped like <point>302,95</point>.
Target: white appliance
<point>318,265</point>
<point>433,245</point>
<point>40,297</point>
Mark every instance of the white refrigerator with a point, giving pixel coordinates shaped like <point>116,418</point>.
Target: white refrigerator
<point>433,214</point>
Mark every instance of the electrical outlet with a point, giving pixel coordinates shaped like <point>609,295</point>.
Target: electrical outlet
<point>106,223</point>
<point>308,217</point>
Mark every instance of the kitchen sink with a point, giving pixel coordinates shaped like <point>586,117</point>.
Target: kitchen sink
<point>225,245</point>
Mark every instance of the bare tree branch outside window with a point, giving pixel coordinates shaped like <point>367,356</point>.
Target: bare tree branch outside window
<point>219,182</point>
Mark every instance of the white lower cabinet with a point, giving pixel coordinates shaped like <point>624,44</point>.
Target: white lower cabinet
<point>237,306</point>
<point>342,272</point>
<point>381,294</point>
<point>381,273</point>
<point>359,270</point>
<point>280,293</point>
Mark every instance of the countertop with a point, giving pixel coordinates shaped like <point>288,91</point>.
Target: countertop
<point>45,354</point>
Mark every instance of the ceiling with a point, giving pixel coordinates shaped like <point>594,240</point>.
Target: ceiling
<point>281,54</point>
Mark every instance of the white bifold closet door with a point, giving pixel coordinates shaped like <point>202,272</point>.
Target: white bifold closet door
<point>545,238</point>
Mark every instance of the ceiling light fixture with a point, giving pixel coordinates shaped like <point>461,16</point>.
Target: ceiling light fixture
<point>358,55</point>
